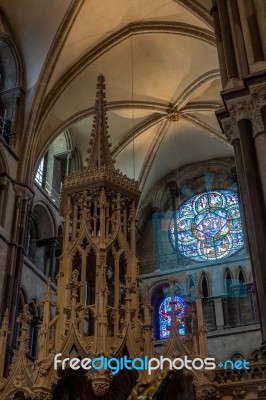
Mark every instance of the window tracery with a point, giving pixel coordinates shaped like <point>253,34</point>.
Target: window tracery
<point>165,316</point>
<point>207,227</point>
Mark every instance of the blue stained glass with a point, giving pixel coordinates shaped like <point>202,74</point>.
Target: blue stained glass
<point>208,226</point>
<point>165,316</point>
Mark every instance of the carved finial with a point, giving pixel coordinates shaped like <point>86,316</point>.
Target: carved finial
<point>24,318</point>
<point>48,295</point>
<point>100,154</point>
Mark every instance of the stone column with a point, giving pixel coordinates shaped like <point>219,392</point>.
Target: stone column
<point>219,44</point>
<point>238,34</point>
<point>10,301</point>
<point>225,312</point>
<point>219,313</point>
<point>36,323</point>
<point>250,289</point>
<point>212,313</point>
<point>253,31</point>
<point>229,52</point>
<point>236,293</point>
<point>240,132</point>
<point>258,214</point>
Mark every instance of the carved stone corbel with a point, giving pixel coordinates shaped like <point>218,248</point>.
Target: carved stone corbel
<point>208,393</point>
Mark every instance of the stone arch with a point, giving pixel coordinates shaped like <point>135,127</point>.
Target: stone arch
<point>207,303</point>
<point>46,221</point>
<point>205,284</point>
<point>190,284</point>
<point>227,279</point>
<point>241,274</point>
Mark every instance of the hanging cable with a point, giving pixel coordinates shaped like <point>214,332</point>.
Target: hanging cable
<point>132,99</point>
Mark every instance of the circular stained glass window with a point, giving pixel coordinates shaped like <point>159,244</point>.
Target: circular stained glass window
<point>208,226</point>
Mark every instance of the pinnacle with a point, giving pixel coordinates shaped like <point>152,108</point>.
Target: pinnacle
<point>99,151</point>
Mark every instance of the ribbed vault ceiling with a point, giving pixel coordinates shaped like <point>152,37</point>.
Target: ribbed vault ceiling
<point>157,56</point>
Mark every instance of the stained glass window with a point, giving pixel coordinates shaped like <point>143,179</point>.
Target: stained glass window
<point>165,316</point>
<point>208,226</point>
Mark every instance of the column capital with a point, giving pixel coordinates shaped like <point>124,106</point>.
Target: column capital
<point>247,107</point>
<point>230,129</point>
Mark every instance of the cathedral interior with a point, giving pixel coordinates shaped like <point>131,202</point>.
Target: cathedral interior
<point>132,196</point>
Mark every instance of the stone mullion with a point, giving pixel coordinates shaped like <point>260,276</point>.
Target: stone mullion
<point>74,222</point>
<point>100,304</point>
<point>102,216</point>
<point>83,279</point>
<point>116,294</point>
<point>67,222</point>
<point>62,300</point>
<point>133,229</point>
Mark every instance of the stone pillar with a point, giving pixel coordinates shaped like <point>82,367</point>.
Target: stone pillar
<point>239,40</point>
<point>13,272</point>
<point>229,53</point>
<point>254,31</point>
<point>258,215</point>
<point>241,131</point>
<point>236,293</point>
<point>252,301</point>
<point>212,313</point>
<point>219,313</point>
<point>36,323</point>
<point>225,312</point>
<point>219,44</point>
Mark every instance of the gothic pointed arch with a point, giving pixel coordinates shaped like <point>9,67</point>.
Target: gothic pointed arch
<point>204,285</point>
<point>228,280</point>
